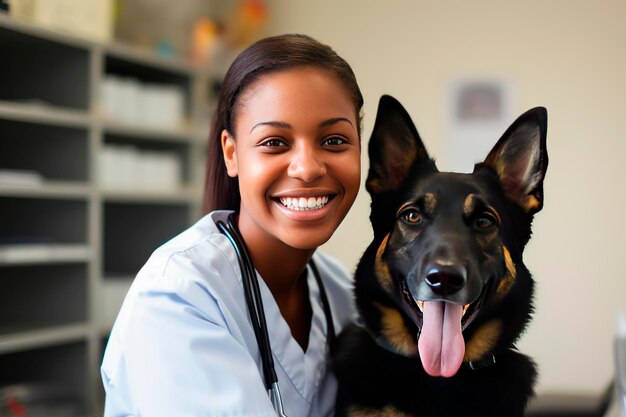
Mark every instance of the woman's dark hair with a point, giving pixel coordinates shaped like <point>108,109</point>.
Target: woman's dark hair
<point>265,56</point>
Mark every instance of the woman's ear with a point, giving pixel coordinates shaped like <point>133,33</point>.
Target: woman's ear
<point>229,151</point>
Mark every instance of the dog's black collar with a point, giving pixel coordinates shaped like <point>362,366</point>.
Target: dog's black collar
<point>482,363</point>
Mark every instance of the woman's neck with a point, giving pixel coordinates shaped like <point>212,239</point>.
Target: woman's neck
<point>282,268</point>
<point>280,265</point>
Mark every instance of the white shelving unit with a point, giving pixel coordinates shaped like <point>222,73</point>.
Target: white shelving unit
<point>69,248</point>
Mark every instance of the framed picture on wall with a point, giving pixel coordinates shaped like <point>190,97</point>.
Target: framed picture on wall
<point>477,111</point>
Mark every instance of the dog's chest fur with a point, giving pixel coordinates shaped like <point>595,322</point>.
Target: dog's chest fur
<point>380,383</point>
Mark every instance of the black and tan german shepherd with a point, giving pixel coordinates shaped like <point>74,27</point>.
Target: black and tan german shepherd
<point>442,290</point>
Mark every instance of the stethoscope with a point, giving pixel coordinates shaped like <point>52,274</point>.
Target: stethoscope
<point>254,304</point>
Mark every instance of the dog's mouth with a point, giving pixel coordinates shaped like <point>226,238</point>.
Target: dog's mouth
<point>441,324</point>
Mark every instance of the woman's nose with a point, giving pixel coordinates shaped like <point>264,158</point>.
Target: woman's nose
<point>306,165</point>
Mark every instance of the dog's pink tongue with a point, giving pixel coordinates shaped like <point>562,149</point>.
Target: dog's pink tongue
<point>441,345</point>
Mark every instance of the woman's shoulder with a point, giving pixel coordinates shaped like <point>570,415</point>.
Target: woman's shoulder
<point>198,261</point>
<point>200,246</point>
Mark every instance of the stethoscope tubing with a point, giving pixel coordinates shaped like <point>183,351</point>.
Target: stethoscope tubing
<point>254,304</point>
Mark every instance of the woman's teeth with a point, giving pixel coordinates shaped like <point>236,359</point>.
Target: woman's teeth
<point>303,203</point>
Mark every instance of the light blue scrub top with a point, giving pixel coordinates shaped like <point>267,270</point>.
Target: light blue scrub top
<point>183,345</point>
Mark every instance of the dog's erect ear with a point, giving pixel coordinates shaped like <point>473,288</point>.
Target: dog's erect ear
<point>520,159</point>
<point>393,148</point>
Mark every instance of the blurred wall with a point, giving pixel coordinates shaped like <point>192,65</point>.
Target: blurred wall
<point>567,55</point>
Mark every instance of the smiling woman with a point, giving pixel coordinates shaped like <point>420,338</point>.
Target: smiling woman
<point>279,152</point>
<point>283,170</point>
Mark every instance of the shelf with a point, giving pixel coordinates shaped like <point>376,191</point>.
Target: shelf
<point>188,195</point>
<point>43,220</point>
<point>29,254</point>
<point>43,113</point>
<point>146,133</point>
<point>37,151</point>
<point>47,189</point>
<point>72,239</point>
<point>39,69</point>
<point>141,95</point>
<point>37,337</point>
<point>27,28</point>
<point>56,296</point>
<point>142,57</point>
<point>156,167</point>
<point>116,49</point>
<point>134,230</point>
<point>46,371</point>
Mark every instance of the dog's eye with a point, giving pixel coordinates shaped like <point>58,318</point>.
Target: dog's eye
<point>485,221</point>
<point>412,216</point>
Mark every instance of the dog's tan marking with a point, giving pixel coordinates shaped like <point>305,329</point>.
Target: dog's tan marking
<point>531,203</point>
<point>381,267</point>
<point>430,203</point>
<point>469,205</point>
<point>387,411</point>
<point>395,331</point>
<point>483,341</point>
<point>528,202</point>
<point>507,281</point>
<point>375,186</point>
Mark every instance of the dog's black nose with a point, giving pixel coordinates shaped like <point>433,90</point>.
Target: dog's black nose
<point>445,279</point>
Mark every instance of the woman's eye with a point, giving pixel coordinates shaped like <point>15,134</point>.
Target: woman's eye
<point>273,143</point>
<point>485,221</point>
<point>334,141</point>
<point>412,216</point>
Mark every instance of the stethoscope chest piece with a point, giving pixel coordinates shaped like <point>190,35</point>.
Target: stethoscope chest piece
<point>277,400</point>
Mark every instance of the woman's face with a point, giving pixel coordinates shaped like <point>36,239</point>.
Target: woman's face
<point>296,154</point>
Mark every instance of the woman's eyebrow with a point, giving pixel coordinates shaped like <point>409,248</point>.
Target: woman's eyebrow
<point>272,124</point>
<point>335,120</point>
<point>325,123</point>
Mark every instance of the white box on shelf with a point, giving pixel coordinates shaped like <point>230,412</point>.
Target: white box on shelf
<point>128,108</point>
<point>129,101</point>
<point>90,19</point>
<point>123,167</point>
